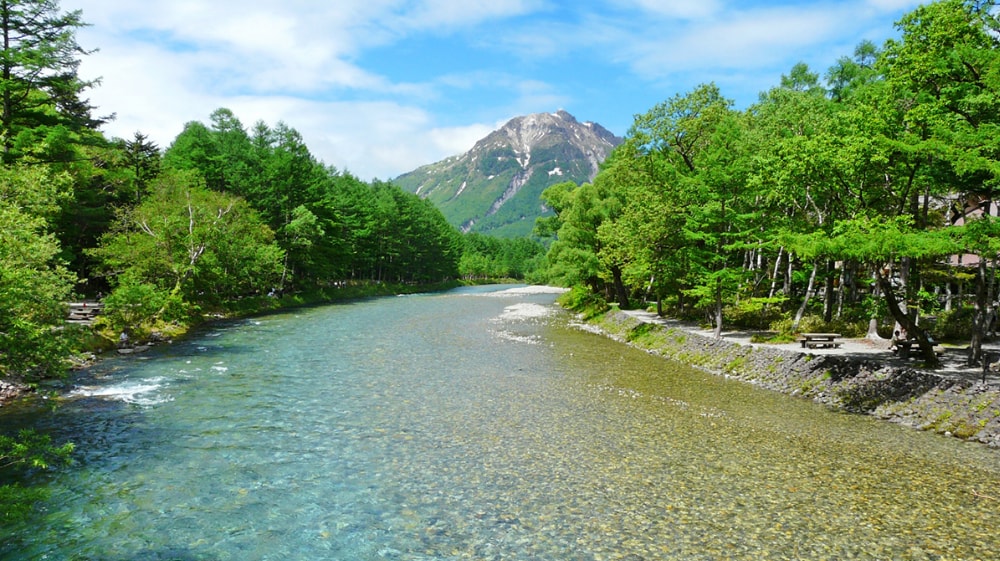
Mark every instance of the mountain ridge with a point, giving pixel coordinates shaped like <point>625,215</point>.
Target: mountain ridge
<point>496,186</point>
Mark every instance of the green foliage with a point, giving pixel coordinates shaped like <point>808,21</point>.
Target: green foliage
<point>487,257</point>
<point>186,240</point>
<point>31,450</point>
<point>584,302</point>
<point>874,240</point>
<point>42,114</point>
<point>640,331</point>
<point>954,324</point>
<point>131,304</point>
<point>756,313</point>
<point>816,324</point>
<point>34,284</point>
<point>330,225</point>
<point>574,257</point>
<point>705,207</point>
<point>711,209</point>
<point>25,452</point>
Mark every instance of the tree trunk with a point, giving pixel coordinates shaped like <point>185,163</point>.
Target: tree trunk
<point>983,314</point>
<point>873,322</point>
<point>787,288</point>
<point>899,314</point>
<point>620,292</point>
<point>828,292</point>
<point>980,316</point>
<point>904,280</point>
<point>873,330</point>
<point>805,299</point>
<point>774,277</point>
<point>718,309</point>
<point>845,284</point>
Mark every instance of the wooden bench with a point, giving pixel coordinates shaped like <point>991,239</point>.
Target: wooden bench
<point>820,340</point>
<point>84,312</point>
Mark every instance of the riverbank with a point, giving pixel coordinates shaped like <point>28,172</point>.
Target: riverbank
<point>861,376</point>
<point>97,344</point>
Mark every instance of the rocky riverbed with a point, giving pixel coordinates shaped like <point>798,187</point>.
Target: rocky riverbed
<point>861,376</point>
<point>11,390</point>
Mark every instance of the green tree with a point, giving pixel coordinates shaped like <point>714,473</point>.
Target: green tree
<point>132,304</point>
<point>647,235</point>
<point>801,79</point>
<point>574,255</point>
<point>301,236</point>
<point>694,146</point>
<point>41,109</point>
<point>946,68</point>
<point>196,149</point>
<point>881,244</point>
<point>798,171</point>
<point>201,245</point>
<point>143,159</point>
<point>847,75</point>
<point>34,283</point>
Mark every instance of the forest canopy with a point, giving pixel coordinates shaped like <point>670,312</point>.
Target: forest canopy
<point>868,197</point>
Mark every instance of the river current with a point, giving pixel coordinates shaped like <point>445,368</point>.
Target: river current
<point>478,424</point>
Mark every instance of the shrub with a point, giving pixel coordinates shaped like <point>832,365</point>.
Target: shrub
<point>131,304</point>
<point>755,313</point>
<point>815,324</point>
<point>955,324</point>
<point>584,302</point>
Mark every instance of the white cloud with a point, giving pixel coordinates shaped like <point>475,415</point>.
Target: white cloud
<point>166,62</point>
<point>437,14</point>
<point>739,41</point>
<point>163,64</point>
<point>680,9</point>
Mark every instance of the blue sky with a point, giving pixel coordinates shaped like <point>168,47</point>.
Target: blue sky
<point>380,87</point>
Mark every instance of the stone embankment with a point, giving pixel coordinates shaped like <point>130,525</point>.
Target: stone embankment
<point>957,406</point>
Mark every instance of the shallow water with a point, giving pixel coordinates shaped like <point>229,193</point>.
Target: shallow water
<point>477,424</point>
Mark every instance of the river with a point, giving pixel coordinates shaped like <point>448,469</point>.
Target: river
<point>478,424</point>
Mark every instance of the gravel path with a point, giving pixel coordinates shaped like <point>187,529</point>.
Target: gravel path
<point>953,362</point>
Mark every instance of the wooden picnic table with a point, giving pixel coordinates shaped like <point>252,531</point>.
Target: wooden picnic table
<point>816,340</point>
<point>903,347</point>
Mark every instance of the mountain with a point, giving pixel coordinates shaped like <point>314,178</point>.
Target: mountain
<point>495,188</point>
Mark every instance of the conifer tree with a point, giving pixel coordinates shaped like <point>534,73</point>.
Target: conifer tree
<point>41,103</point>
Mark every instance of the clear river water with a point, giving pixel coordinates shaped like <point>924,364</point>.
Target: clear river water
<point>478,424</point>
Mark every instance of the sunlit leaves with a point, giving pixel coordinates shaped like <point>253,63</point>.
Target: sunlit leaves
<point>875,241</point>
<point>26,451</point>
<point>191,241</point>
<point>34,283</point>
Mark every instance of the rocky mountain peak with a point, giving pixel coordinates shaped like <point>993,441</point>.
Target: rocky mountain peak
<point>495,187</point>
<point>524,134</point>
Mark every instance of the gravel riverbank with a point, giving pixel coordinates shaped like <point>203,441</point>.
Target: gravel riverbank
<point>861,376</point>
